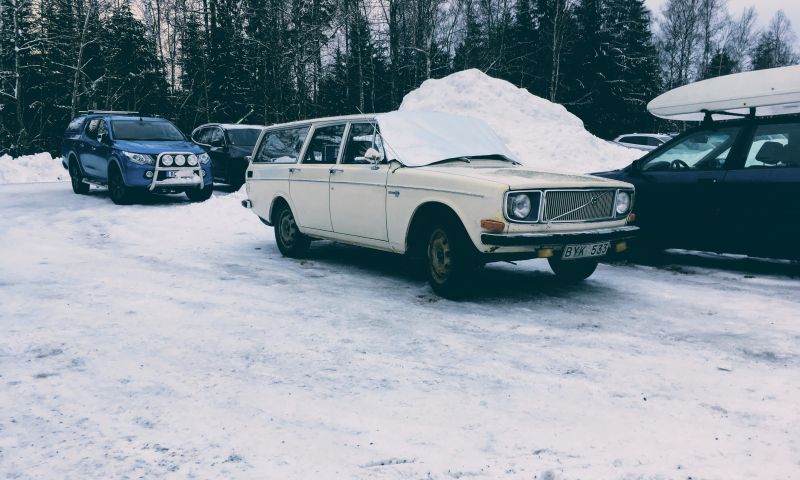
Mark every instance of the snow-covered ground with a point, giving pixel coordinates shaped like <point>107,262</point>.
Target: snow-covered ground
<point>41,167</point>
<point>172,340</point>
<point>543,134</point>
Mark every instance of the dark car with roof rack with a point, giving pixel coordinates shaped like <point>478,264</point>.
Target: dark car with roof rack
<point>230,146</point>
<point>731,184</point>
<point>133,154</point>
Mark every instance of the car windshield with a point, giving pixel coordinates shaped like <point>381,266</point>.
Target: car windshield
<point>145,130</point>
<point>703,150</point>
<point>246,137</point>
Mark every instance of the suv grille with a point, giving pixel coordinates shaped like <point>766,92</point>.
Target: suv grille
<point>578,205</point>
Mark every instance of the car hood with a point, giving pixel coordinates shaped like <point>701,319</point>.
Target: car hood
<point>521,177</point>
<point>155,147</point>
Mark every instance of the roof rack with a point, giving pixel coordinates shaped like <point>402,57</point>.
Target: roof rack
<point>108,112</point>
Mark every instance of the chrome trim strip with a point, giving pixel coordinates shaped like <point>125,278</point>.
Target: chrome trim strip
<point>477,195</point>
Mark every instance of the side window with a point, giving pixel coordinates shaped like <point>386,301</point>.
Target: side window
<point>91,128</point>
<point>75,125</point>
<point>216,137</point>
<point>625,140</point>
<point>282,146</point>
<point>654,142</point>
<point>775,146</point>
<point>362,136</point>
<point>325,145</point>
<point>704,150</point>
<point>201,136</point>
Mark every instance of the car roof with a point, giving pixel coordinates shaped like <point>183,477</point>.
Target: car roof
<point>130,117</point>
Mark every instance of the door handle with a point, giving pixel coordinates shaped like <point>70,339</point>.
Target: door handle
<point>707,180</point>
<point>294,169</point>
<point>334,170</point>
<point>396,193</point>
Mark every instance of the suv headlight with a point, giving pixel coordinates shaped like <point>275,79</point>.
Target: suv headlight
<point>203,157</point>
<point>140,158</point>
<point>523,206</point>
<point>622,204</point>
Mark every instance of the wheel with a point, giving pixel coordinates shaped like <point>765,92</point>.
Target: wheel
<point>200,195</point>
<point>290,241</point>
<point>450,259</point>
<point>76,177</point>
<point>117,190</point>
<point>572,271</point>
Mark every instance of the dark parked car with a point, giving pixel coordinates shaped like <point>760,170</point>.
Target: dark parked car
<point>133,154</point>
<point>725,186</point>
<point>230,146</point>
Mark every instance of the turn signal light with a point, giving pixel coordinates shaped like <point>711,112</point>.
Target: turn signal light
<point>631,217</point>
<point>621,247</point>
<point>544,252</point>
<point>493,225</point>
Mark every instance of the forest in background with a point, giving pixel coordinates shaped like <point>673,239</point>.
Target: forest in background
<point>268,61</point>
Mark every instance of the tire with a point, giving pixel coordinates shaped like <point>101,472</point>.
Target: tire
<point>76,178</point>
<point>572,271</point>
<point>450,259</point>
<point>200,195</point>
<point>291,242</point>
<point>120,193</point>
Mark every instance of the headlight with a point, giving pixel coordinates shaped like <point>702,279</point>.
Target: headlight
<point>203,157</point>
<point>140,158</point>
<point>623,203</point>
<point>180,160</point>
<point>167,160</point>
<point>192,160</point>
<point>519,206</point>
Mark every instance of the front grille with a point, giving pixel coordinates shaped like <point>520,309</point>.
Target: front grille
<point>578,205</point>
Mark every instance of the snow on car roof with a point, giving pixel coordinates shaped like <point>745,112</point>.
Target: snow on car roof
<point>421,138</point>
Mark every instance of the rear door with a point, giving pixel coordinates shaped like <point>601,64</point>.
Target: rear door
<point>358,188</point>
<point>309,181</point>
<point>762,193</point>
<point>678,195</point>
<point>90,150</point>
<point>218,151</point>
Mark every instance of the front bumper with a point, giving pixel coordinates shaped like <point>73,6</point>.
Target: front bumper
<point>551,239</point>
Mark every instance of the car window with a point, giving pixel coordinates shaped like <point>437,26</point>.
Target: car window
<point>201,136</point>
<point>216,136</point>
<point>654,141</point>
<point>243,137</point>
<point>325,145</point>
<point>101,129</point>
<point>703,150</point>
<point>145,130</point>
<point>282,146</point>
<point>634,140</point>
<point>75,125</point>
<point>91,128</point>
<point>362,136</point>
<point>775,146</point>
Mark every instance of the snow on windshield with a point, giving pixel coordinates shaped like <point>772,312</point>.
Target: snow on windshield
<point>421,138</point>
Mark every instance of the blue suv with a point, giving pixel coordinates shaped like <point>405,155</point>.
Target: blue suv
<point>133,154</point>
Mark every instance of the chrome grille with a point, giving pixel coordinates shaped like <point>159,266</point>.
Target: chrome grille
<point>578,205</point>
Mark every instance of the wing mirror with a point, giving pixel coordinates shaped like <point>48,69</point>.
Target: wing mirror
<point>373,156</point>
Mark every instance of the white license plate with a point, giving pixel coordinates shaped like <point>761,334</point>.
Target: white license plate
<point>179,174</point>
<point>585,250</point>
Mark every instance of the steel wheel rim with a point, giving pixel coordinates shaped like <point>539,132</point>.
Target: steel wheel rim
<point>440,256</point>
<point>287,230</point>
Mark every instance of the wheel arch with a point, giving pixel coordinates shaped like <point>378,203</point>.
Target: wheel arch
<point>277,201</point>
<point>421,219</point>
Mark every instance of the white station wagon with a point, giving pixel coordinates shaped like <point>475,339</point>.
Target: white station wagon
<point>440,188</point>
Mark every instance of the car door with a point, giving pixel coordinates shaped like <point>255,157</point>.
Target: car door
<point>103,148</point>
<point>678,189</point>
<point>309,180</point>
<point>218,151</point>
<point>358,187</point>
<point>761,194</point>
<point>90,150</point>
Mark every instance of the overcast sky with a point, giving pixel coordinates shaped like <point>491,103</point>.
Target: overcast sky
<point>765,8</point>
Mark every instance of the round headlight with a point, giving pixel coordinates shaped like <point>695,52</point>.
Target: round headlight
<point>166,160</point>
<point>623,203</point>
<point>180,160</point>
<point>520,206</point>
<point>192,160</point>
<point>203,157</point>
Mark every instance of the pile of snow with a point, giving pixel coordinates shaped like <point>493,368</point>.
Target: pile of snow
<point>40,167</point>
<point>543,134</point>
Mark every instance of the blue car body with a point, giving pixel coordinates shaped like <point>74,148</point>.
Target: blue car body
<point>93,154</point>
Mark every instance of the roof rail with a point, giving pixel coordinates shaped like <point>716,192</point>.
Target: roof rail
<point>108,112</point>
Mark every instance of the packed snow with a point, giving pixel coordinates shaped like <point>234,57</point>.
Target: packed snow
<point>41,167</point>
<point>542,134</point>
<point>172,340</point>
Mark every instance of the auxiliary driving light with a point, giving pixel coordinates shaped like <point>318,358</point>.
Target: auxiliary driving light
<point>148,174</point>
<point>192,160</point>
<point>180,160</point>
<point>167,160</point>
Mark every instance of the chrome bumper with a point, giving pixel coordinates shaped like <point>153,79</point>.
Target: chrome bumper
<point>547,239</point>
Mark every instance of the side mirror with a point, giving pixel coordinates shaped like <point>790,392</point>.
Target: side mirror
<point>373,156</point>
<point>249,158</point>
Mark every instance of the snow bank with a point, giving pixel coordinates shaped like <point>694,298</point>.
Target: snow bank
<point>40,167</point>
<point>543,134</point>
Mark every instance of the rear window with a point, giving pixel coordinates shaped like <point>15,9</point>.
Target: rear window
<point>75,125</point>
<point>244,136</point>
<point>140,130</point>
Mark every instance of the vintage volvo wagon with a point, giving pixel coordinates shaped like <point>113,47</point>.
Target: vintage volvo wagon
<point>443,189</point>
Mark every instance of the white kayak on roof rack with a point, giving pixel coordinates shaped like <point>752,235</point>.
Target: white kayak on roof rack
<point>775,91</point>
